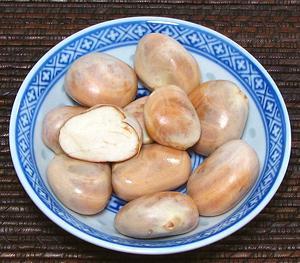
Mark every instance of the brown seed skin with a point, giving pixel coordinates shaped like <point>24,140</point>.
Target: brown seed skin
<point>156,168</point>
<point>83,187</point>
<point>224,178</point>
<point>160,61</point>
<point>157,215</point>
<point>52,123</point>
<point>99,78</point>
<point>171,119</point>
<point>223,111</point>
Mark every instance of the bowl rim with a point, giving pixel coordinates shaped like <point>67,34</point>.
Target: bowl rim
<point>146,250</point>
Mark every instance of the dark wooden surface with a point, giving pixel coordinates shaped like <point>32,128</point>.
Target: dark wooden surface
<point>269,30</point>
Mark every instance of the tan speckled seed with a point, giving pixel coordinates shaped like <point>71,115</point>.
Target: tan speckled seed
<point>158,215</point>
<point>52,123</point>
<point>99,78</point>
<point>156,168</point>
<point>83,187</point>
<point>160,61</point>
<point>171,119</point>
<point>223,111</point>
<point>224,178</point>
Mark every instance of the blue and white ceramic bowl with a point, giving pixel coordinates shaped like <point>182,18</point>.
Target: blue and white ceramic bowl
<point>267,130</point>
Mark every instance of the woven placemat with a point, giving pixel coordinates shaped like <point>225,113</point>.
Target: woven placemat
<point>268,30</point>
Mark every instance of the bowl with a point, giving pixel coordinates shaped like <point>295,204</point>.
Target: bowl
<point>267,129</point>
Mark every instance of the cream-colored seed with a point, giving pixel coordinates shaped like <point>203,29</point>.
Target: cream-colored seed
<point>104,133</point>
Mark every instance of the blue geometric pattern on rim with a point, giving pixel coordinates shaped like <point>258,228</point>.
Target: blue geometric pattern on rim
<point>128,33</point>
